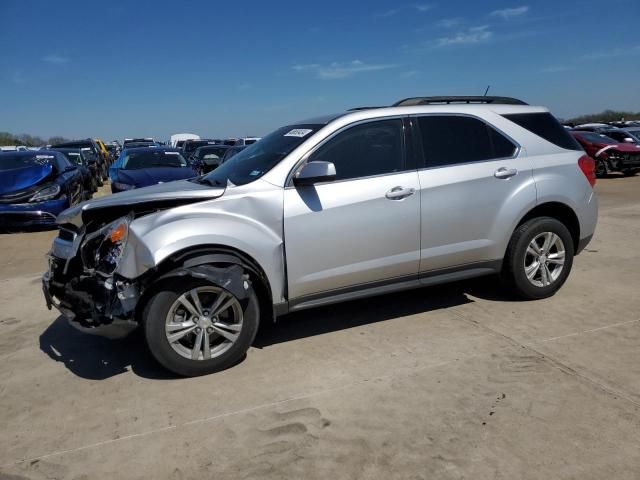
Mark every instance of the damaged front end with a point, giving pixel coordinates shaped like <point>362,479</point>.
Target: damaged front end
<point>85,281</point>
<point>82,282</point>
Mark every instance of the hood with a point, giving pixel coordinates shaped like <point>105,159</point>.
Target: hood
<point>22,178</point>
<point>164,195</point>
<point>150,176</point>
<point>625,147</point>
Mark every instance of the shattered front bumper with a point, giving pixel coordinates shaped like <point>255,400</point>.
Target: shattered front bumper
<point>92,304</point>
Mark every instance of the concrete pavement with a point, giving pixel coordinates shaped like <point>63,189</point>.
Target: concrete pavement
<point>457,381</point>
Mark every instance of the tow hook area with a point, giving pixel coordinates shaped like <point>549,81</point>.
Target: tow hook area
<point>95,305</point>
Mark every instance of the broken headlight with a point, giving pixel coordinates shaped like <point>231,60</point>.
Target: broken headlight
<point>103,249</point>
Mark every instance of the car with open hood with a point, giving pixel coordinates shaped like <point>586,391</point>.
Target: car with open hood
<point>335,208</point>
<point>35,186</point>
<point>144,166</point>
<point>609,154</point>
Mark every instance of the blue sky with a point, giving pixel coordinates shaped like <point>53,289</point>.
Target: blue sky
<point>119,68</point>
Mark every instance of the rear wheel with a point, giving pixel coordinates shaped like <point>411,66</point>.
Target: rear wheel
<point>194,327</point>
<point>539,258</point>
<point>629,172</point>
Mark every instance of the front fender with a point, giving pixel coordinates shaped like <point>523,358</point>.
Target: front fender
<point>248,222</point>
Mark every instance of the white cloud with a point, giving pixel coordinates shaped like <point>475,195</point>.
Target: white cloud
<point>470,36</point>
<point>409,74</point>
<point>422,7</point>
<point>55,59</point>
<point>337,70</point>
<point>450,22</point>
<point>507,13</point>
<point>425,7</point>
<point>616,52</point>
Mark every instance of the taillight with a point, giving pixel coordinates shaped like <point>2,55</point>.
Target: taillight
<point>588,167</point>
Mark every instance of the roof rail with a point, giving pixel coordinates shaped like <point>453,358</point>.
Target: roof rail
<point>355,109</point>
<point>413,101</point>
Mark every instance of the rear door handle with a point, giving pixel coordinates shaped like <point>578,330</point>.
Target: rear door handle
<point>398,193</point>
<point>504,172</point>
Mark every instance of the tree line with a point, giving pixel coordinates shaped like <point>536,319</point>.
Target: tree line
<point>27,140</point>
<point>605,117</point>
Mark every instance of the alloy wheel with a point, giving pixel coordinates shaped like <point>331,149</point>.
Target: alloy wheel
<point>203,323</point>
<point>544,259</point>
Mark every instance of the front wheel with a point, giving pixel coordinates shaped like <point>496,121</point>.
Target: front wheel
<point>193,327</point>
<point>539,258</point>
<point>601,168</point>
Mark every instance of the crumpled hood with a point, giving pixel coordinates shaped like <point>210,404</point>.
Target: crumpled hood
<point>164,195</point>
<point>150,176</point>
<point>620,147</point>
<point>22,178</point>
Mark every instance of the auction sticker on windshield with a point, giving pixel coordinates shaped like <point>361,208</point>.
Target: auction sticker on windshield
<point>298,132</point>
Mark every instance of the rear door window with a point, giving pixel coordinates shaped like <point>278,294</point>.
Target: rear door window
<point>455,139</point>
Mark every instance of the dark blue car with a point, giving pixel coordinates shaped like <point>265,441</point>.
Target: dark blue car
<point>35,186</point>
<point>141,167</point>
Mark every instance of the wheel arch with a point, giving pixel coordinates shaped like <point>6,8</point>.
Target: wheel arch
<point>219,255</point>
<point>561,212</point>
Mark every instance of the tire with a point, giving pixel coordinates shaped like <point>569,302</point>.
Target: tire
<point>601,168</point>
<point>98,179</point>
<point>520,257</point>
<point>105,173</point>
<point>629,172</point>
<point>159,313</point>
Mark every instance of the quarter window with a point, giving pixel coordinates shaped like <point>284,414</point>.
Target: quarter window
<point>451,139</point>
<point>372,148</point>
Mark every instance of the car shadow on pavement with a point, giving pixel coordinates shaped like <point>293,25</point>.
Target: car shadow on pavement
<point>98,358</point>
<point>356,313</point>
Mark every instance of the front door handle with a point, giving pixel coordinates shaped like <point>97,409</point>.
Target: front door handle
<point>505,173</point>
<point>398,193</point>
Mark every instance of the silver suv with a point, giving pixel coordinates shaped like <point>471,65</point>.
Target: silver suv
<point>371,201</point>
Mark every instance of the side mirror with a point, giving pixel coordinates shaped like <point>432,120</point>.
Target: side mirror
<point>315,172</point>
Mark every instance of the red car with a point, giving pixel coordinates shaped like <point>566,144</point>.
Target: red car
<point>609,155</point>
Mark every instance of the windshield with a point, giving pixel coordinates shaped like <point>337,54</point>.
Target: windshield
<point>10,161</point>
<point>153,159</point>
<point>74,157</point>
<point>597,138</point>
<point>257,159</point>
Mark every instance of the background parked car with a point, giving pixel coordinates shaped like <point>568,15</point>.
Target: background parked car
<point>102,165</point>
<point>190,146</point>
<point>36,186</point>
<point>207,158</point>
<point>144,166</point>
<point>77,157</point>
<point>609,154</point>
<point>178,139</point>
<point>128,142</point>
<point>232,151</point>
